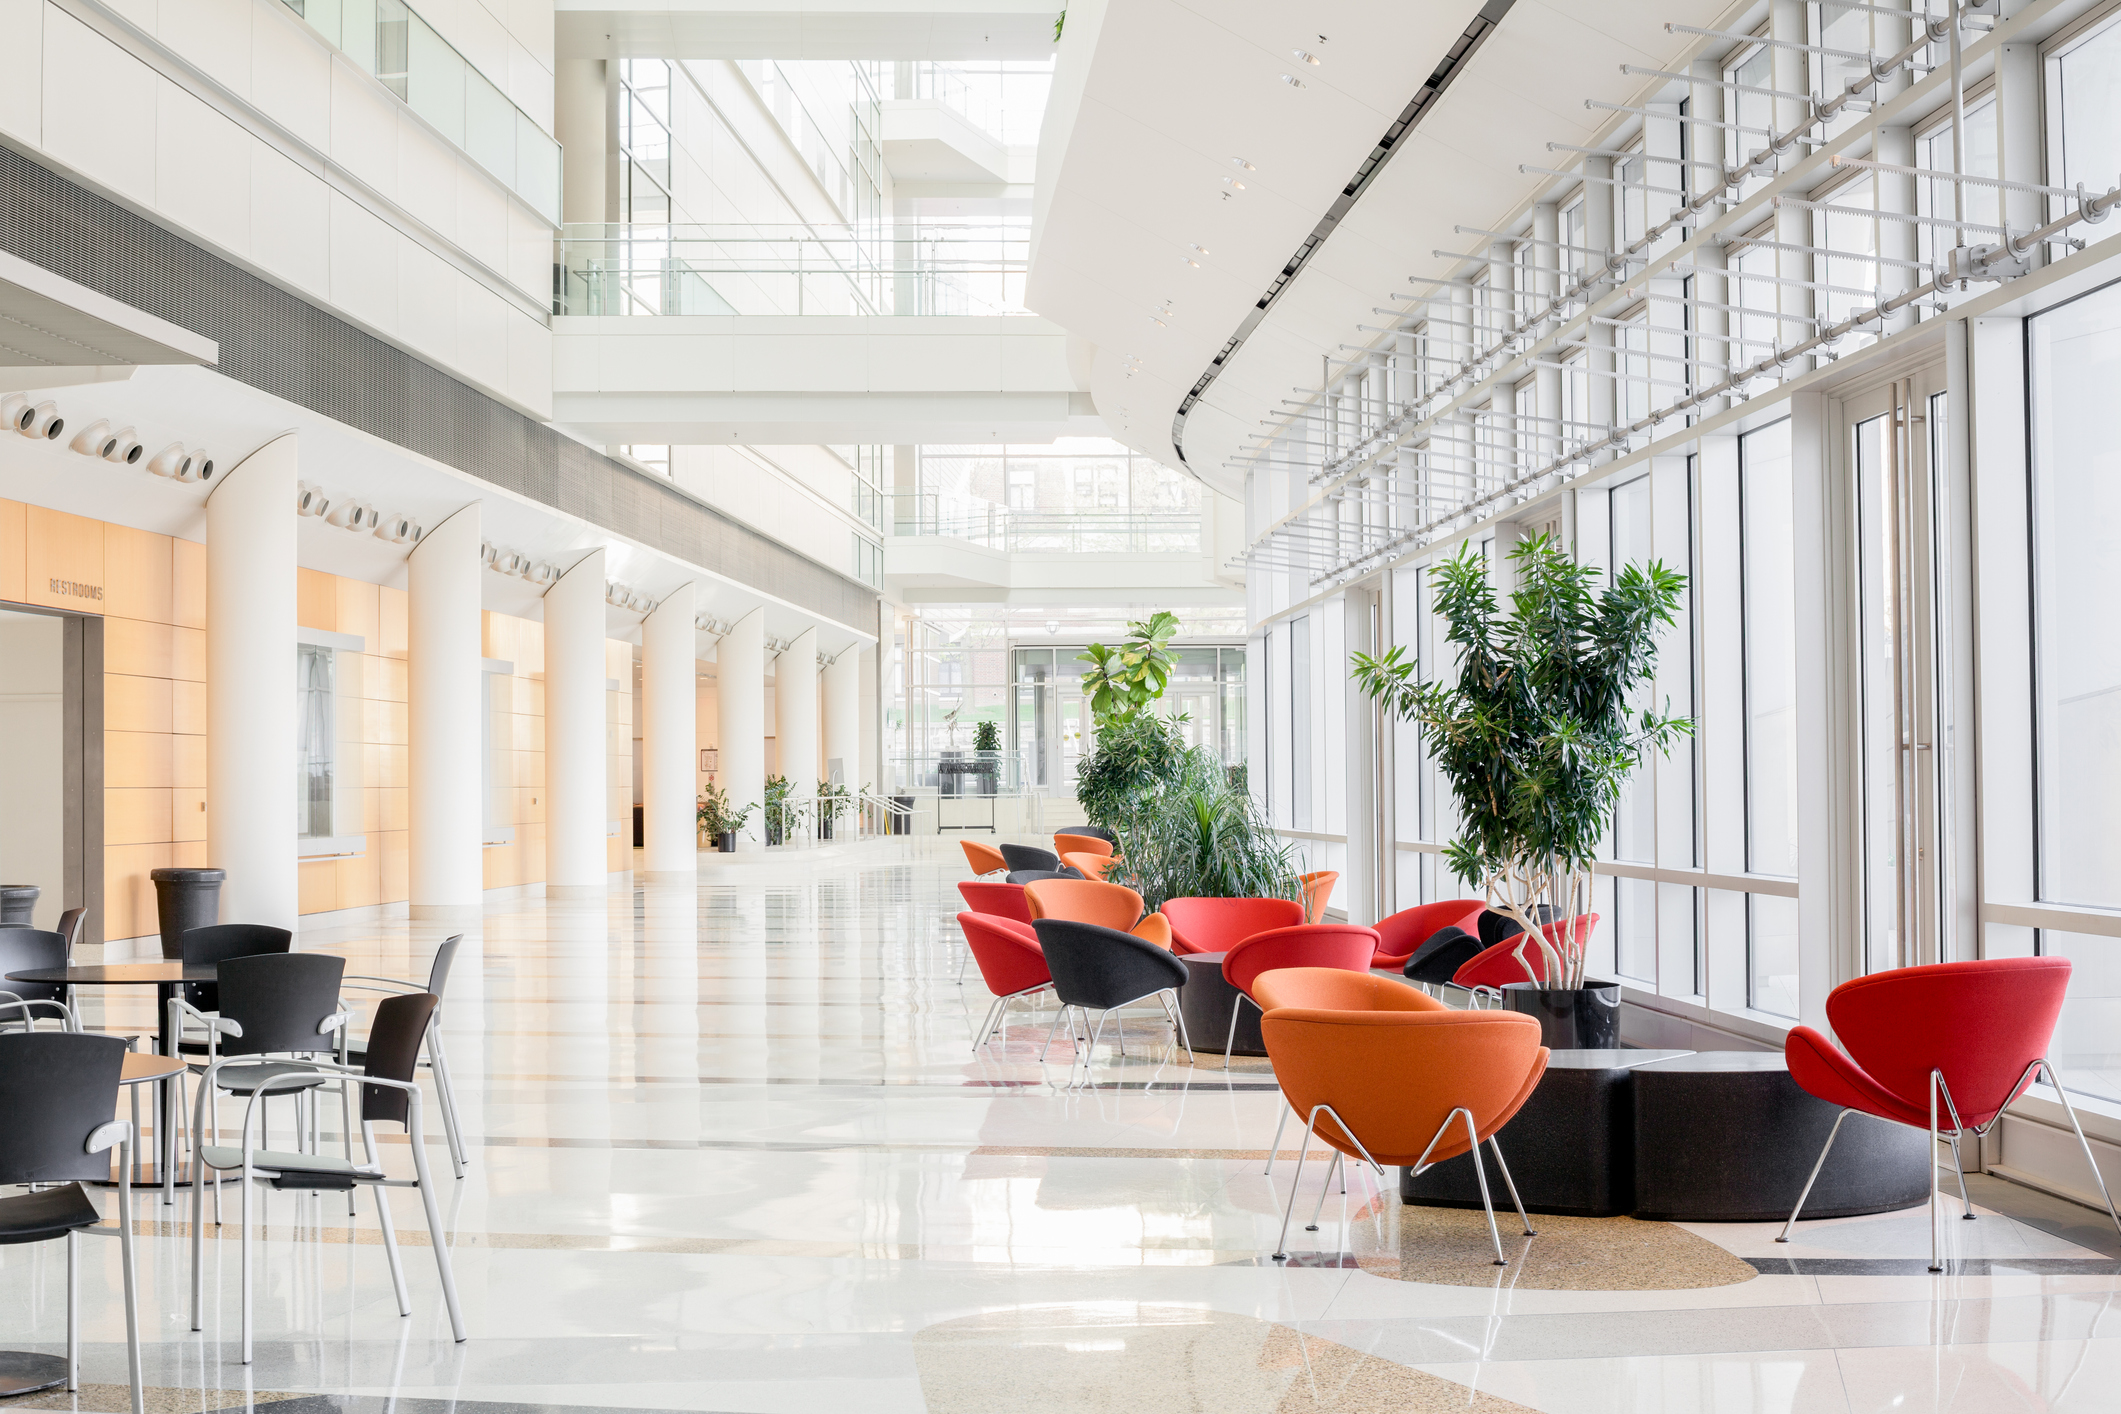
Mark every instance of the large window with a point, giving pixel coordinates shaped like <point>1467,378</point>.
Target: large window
<point>2084,109</point>
<point>2076,503</point>
<point>316,742</point>
<point>1768,586</point>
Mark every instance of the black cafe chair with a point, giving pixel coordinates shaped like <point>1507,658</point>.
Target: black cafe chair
<point>389,1095</point>
<point>57,1092</point>
<point>1105,969</point>
<point>23,1004</point>
<point>437,986</point>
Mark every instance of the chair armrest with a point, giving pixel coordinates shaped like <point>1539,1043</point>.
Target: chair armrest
<point>333,1024</point>
<point>9,1001</point>
<point>114,1131</point>
<point>222,1025</point>
<point>397,983</point>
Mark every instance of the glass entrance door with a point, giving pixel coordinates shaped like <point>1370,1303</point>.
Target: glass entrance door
<point>1893,443</point>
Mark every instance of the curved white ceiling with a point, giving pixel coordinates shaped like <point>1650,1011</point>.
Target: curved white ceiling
<point>1153,99</point>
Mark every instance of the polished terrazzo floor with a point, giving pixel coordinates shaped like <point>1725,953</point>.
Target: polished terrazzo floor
<point>731,1151</point>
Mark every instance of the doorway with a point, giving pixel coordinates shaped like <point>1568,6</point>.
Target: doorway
<point>1894,440</point>
<point>51,775</point>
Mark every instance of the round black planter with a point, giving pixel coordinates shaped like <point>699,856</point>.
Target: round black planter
<point>1585,1018</point>
<point>824,828</point>
<point>726,842</point>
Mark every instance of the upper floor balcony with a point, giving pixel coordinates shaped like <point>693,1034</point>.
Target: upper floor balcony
<point>731,270</point>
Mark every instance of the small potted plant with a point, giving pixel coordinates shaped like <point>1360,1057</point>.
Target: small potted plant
<point>784,813</point>
<point>833,801</point>
<point>720,823</point>
<point>987,754</point>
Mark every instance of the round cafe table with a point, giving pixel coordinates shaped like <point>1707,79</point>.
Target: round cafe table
<point>165,978</point>
<point>26,1371</point>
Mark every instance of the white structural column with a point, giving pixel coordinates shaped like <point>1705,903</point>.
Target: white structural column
<point>576,753</point>
<point>446,871</point>
<point>740,683</point>
<point>670,733</point>
<point>795,712</point>
<point>250,704</point>
<point>843,716</point>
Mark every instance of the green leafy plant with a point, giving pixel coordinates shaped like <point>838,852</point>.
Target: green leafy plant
<point>834,800</point>
<point>1123,680</point>
<point>1132,757</point>
<point>715,815</point>
<point>784,813</point>
<point>987,736</point>
<point>1195,835</point>
<point>1060,22</point>
<point>1537,733</point>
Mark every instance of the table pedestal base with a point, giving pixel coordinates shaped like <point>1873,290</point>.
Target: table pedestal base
<point>22,1372</point>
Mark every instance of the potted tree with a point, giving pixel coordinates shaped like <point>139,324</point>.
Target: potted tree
<point>720,823</point>
<point>1536,734</point>
<point>1135,751</point>
<point>1197,833</point>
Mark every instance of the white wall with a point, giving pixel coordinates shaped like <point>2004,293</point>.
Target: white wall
<point>32,781</point>
<point>290,160</point>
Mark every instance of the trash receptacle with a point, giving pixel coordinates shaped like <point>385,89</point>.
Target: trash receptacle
<point>185,898</point>
<point>17,903</point>
<point>902,824</point>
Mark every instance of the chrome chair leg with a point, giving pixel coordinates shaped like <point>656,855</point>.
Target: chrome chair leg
<point>1230,1041</point>
<point>1275,1147</point>
<point>1495,1144</point>
<point>1480,1171</point>
<point>1178,1022</point>
<point>1335,1167</point>
<point>2055,1078</point>
<point>1959,1168</point>
<point>1819,1164</point>
<point>1058,1013</point>
<point>1936,1239</point>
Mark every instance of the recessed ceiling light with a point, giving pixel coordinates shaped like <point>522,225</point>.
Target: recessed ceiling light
<point>1159,323</point>
<point>1244,164</point>
<point>1233,184</point>
<point>1292,81</point>
<point>1190,261</point>
<point>1304,55</point>
<point>1200,250</point>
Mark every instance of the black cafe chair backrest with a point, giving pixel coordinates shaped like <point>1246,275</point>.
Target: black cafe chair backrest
<point>1103,967</point>
<point>1024,856</point>
<point>218,942</point>
<point>445,958</point>
<point>22,949</point>
<point>279,999</point>
<point>56,1089</point>
<point>393,1050</point>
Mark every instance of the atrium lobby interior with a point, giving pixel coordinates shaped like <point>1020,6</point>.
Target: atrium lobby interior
<point>1136,704</point>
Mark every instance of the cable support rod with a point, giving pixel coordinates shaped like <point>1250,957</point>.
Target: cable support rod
<point>1528,239</point>
<point>1607,181</point>
<point>1811,319</point>
<point>1864,164</point>
<point>1763,40</point>
<point>1615,374</point>
<point>1830,252</point>
<point>1639,71</point>
<point>1634,152</point>
<point>1601,105</point>
<point>1733,273</point>
<point>1906,218</point>
<point>1621,353</point>
<point>1536,269</point>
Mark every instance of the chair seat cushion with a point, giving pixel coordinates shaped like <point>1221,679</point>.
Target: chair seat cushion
<point>276,1161</point>
<point>244,1079</point>
<point>42,1216</point>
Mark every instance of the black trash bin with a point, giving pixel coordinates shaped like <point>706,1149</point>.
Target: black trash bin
<point>902,824</point>
<point>185,898</point>
<point>17,903</point>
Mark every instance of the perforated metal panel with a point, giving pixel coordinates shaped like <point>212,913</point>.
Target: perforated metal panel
<point>282,344</point>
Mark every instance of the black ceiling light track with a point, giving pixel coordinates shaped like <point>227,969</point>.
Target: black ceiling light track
<point>1454,62</point>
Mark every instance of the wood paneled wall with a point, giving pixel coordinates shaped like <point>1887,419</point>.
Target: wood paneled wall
<point>151,593</point>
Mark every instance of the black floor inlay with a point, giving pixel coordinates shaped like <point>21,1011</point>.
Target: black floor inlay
<point>1953,1266</point>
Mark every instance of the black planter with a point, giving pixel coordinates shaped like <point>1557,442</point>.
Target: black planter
<point>1585,1018</point>
<point>185,898</point>
<point>726,842</point>
<point>902,824</point>
<point>773,835</point>
<point>824,828</point>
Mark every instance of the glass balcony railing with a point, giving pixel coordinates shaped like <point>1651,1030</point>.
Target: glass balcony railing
<point>786,270</point>
<point>389,40</point>
<point>998,527</point>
